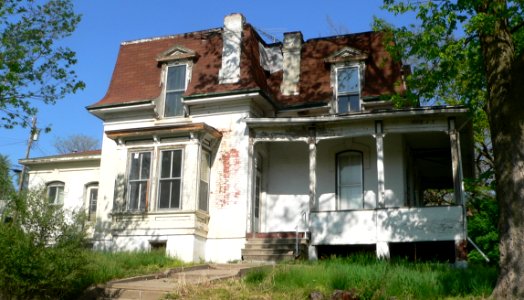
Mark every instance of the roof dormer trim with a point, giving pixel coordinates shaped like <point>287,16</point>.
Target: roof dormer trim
<point>346,54</point>
<point>176,52</point>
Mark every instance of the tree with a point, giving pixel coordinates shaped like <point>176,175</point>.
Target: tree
<point>471,52</point>
<point>42,249</point>
<point>6,183</point>
<point>75,143</point>
<point>33,68</point>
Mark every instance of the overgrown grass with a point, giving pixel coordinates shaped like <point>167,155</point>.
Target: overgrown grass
<point>106,266</point>
<point>365,277</point>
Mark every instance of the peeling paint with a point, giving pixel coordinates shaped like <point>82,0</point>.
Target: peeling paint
<point>228,191</point>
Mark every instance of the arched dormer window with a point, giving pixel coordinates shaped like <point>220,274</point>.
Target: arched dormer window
<point>350,180</point>
<point>55,192</point>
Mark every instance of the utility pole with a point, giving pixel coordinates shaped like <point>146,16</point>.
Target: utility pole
<point>33,136</point>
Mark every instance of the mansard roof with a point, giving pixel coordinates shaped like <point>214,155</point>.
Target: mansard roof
<point>136,76</point>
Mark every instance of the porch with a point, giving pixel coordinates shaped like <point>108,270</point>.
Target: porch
<point>365,179</point>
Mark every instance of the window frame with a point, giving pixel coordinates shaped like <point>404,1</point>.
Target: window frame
<point>338,179</point>
<point>52,185</point>
<point>205,180</point>
<point>340,94</point>
<point>180,90</point>
<point>159,178</point>
<point>147,181</point>
<point>90,187</point>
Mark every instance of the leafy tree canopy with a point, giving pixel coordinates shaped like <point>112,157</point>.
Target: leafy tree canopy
<point>33,67</point>
<point>472,52</point>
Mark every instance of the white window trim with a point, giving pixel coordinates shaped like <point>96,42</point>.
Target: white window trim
<point>202,152</point>
<point>157,177</point>
<point>147,204</point>
<point>338,198</point>
<point>334,80</point>
<point>161,104</point>
<point>56,184</point>
<point>88,189</point>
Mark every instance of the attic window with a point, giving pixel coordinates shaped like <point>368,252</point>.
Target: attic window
<point>175,87</point>
<point>348,89</point>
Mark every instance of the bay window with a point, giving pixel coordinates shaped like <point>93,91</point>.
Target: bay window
<point>138,181</point>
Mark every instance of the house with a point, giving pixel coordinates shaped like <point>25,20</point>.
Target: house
<point>218,145</point>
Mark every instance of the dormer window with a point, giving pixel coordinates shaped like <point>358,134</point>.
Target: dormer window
<point>175,87</point>
<point>347,72</point>
<point>348,89</point>
<point>177,63</point>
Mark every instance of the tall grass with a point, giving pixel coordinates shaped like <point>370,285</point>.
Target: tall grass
<point>106,266</point>
<point>373,279</point>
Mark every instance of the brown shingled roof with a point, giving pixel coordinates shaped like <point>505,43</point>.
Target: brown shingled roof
<point>136,76</point>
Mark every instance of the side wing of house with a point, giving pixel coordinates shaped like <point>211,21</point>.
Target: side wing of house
<point>70,181</point>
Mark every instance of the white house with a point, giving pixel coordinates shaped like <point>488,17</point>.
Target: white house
<point>220,146</point>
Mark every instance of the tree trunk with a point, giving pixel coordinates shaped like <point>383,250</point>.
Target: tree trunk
<point>505,77</point>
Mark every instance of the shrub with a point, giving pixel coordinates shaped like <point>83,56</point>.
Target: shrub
<point>42,249</point>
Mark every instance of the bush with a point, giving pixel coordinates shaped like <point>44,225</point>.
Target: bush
<point>42,249</point>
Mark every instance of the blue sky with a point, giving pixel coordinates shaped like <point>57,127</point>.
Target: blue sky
<point>107,23</point>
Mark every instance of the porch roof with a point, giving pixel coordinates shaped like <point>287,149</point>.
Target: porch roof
<point>460,112</point>
<point>164,131</point>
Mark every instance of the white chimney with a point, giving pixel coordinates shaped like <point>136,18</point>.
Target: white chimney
<point>291,52</point>
<point>232,40</point>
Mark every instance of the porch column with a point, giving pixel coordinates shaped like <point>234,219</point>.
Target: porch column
<point>456,162</point>
<point>379,137</point>
<point>312,143</point>
<point>458,188</point>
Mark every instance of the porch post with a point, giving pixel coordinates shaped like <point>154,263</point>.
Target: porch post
<point>312,143</point>
<point>456,162</point>
<point>251,184</point>
<point>379,137</point>
<point>458,188</point>
<point>382,247</point>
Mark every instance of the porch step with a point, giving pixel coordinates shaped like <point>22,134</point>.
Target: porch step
<point>273,249</point>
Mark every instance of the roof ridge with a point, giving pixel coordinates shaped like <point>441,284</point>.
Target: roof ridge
<point>165,37</point>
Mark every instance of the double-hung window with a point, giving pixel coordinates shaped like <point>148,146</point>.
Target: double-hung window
<point>55,192</point>
<point>138,182</point>
<point>92,197</point>
<point>205,169</point>
<point>175,87</point>
<point>350,180</point>
<point>348,89</point>
<point>170,179</point>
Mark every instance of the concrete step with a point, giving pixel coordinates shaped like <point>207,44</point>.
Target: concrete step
<point>268,257</point>
<point>267,252</point>
<point>286,241</point>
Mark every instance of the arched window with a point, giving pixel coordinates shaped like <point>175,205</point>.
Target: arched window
<point>350,180</point>
<point>55,192</point>
<point>91,200</point>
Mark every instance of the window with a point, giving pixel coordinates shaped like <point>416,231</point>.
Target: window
<point>175,87</point>
<point>138,181</point>
<point>349,180</point>
<point>55,192</point>
<point>203,193</point>
<point>92,198</point>
<point>348,90</point>
<point>170,179</point>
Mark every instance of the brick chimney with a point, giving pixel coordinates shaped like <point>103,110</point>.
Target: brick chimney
<point>232,40</point>
<point>291,63</point>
